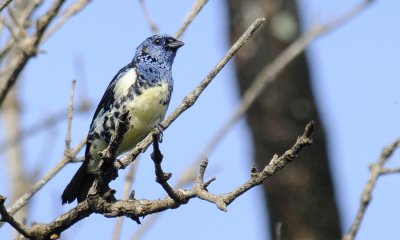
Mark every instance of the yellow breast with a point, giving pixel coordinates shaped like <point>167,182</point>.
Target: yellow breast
<point>145,111</point>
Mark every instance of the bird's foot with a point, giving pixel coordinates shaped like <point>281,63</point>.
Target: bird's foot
<point>158,130</point>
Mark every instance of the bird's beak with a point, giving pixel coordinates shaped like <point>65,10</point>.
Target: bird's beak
<point>175,44</point>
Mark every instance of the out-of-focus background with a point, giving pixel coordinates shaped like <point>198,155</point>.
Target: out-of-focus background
<point>355,83</point>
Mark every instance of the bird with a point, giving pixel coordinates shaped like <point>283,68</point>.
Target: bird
<point>142,91</point>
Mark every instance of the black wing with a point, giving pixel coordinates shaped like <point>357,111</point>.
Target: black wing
<point>107,100</point>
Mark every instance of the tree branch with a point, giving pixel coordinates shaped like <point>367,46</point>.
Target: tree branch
<point>198,5</point>
<point>153,26</point>
<point>72,10</point>
<point>6,217</point>
<point>4,4</point>
<point>377,169</point>
<point>67,149</point>
<point>135,209</point>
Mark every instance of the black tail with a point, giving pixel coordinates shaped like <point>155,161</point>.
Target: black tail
<point>79,186</point>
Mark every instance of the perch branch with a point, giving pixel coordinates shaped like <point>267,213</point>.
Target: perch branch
<point>135,209</point>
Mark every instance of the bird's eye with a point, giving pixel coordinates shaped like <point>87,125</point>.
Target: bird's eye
<point>157,41</point>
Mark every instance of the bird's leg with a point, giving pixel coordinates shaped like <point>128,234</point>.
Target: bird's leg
<point>156,155</point>
<point>159,129</point>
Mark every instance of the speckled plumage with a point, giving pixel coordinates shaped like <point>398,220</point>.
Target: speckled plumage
<point>142,88</point>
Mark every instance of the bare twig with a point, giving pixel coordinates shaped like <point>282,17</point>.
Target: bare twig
<point>198,5</point>
<point>25,16</point>
<point>70,115</point>
<point>17,22</point>
<point>30,10</point>
<point>269,73</point>
<point>11,30</point>
<point>276,164</point>
<point>384,171</point>
<point>71,11</point>
<point>191,98</point>
<point>152,25</point>
<point>377,169</point>
<point>6,217</point>
<point>4,4</point>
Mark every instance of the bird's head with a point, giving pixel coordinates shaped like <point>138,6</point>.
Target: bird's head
<point>161,48</point>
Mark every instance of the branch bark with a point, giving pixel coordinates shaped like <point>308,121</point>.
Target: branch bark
<point>135,209</point>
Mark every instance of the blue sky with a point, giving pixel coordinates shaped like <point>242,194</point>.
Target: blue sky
<point>355,81</point>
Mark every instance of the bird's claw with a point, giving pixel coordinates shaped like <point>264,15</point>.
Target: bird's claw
<point>159,129</point>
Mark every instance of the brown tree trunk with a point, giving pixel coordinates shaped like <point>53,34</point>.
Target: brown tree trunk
<point>300,197</point>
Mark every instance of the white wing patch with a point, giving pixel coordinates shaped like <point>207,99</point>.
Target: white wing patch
<point>124,83</point>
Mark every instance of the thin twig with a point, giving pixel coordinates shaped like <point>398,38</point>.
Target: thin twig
<point>25,16</point>
<point>269,73</point>
<point>11,30</point>
<point>4,4</point>
<point>276,164</point>
<point>389,171</point>
<point>191,98</point>
<point>377,170</point>
<point>67,149</point>
<point>198,5</point>
<point>71,11</point>
<point>153,26</point>
<point>17,23</point>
